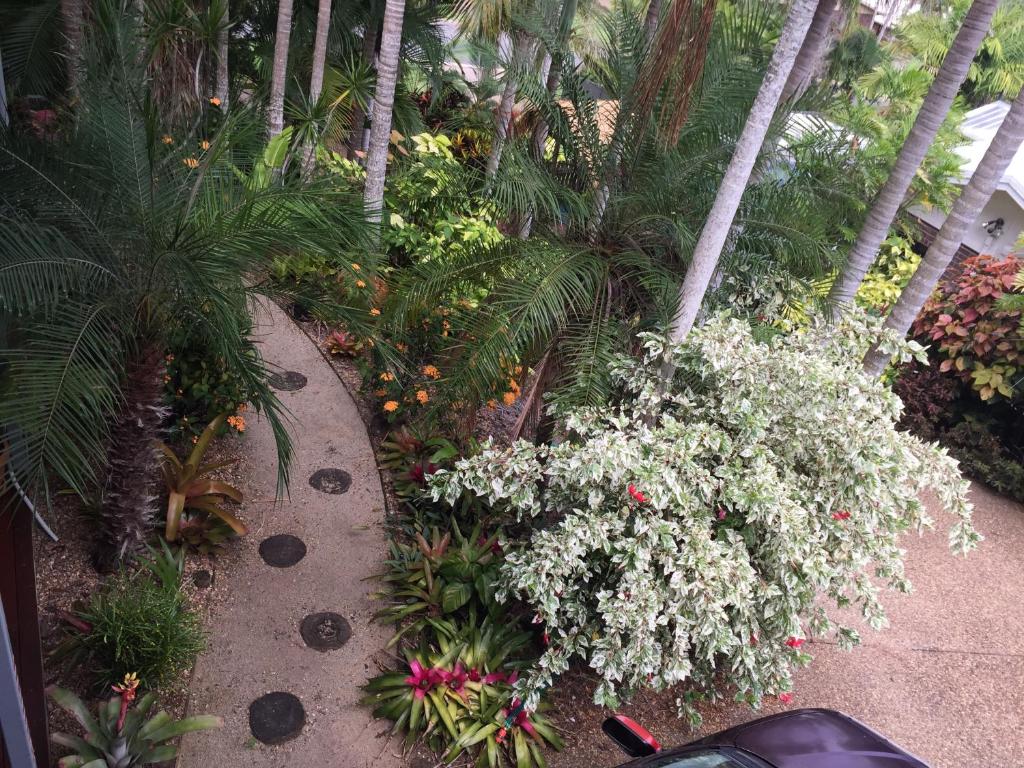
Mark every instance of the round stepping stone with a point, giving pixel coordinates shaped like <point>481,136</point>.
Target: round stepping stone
<point>325,631</point>
<point>287,381</point>
<point>202,579</point>
<point>282,550</point>
<point>276,717</point>
<point>331,480</point>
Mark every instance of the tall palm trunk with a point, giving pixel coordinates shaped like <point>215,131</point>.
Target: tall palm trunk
<point>383,102</point>
<point>316,81</point>
<point>812,51</point>
<point>651,21</point>
<point>966,210</point>
<point>129,514</point>
<point>503,119</point>
<point>275,110</point>
<point>73,20</point>
<point>933,111</point>
<point>719,222</point>
<point>357,132</point>
<point>222,88</point>
<point>4,119</point>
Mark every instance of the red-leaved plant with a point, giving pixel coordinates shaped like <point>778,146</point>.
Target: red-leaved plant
<point>973,335</point>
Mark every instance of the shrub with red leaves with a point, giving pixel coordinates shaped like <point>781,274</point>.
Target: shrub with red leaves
<point>973,337</point>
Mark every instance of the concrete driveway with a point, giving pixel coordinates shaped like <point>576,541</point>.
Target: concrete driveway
<point>945,681</point>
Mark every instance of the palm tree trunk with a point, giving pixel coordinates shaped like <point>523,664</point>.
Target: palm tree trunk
<point>503,119</point>
<point>933,111</point>
<point>651,21</point>
<point>73,18</point>
<point>222,89</point>
<point>275,110</point>
<point>316,81</point>
<point>129,513</point>
<point>4,119</point>
<point>383,102</point>
<point>540,131</point>
<point>357,131</point>
<point>812,51</point>
<point>966,211</point>
<point>719,222</point>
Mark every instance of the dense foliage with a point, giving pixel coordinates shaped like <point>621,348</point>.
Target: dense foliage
<point>689,533</point>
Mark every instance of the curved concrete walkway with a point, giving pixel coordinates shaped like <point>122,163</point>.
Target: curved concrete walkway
<point>255,646</point>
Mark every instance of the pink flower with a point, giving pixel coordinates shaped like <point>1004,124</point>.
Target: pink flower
<point>521,718</point>
<point>841,515</point>
<point>457,678</point>
<point>423,680</point>
<point>474,675</point>
<point>637,495</point>
<point>722,513</point>
<point>785,698</point>
<point>795,642</point>
<point>753,640</point>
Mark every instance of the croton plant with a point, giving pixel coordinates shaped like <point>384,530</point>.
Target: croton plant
<point>690,533</point>
<point>975,334</point>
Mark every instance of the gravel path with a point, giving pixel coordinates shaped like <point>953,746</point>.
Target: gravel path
<point>285,703</point>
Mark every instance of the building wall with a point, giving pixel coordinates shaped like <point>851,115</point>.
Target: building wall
<point>1001,205</point>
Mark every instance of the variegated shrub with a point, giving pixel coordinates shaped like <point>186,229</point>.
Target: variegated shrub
<point>694,535</point>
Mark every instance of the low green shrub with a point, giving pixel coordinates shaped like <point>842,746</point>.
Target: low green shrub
<point>136,623</point>
<point>689,535</point>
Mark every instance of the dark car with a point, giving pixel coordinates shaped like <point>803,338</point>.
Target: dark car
<point>803,738</point>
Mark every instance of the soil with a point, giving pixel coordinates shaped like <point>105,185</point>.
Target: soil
<point>66,577</point>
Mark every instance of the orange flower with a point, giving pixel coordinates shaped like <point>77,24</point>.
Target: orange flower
<point>204,144</point>
<point>215,101</point>
<point>508,398</point>
<point>431,371</point>
<point>422,396</point>
<point>391,406</point>
<point>360,284</point>
<point>402,347</point>
<point>492,403</point>
<point>380,392</point>
<point>375,312</point>
<point>166,139</point>
<point>191,162</point>
<point>387,376</point>
<point>355,266</point>
<point>237,422</point>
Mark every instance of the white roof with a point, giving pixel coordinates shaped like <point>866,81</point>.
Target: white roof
<point>980,126</point>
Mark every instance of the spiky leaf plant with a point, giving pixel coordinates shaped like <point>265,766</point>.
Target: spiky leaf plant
<point>119,234</point>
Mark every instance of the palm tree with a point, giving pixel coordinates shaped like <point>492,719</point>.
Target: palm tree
<point>275,108</point>
<point>720,219</point>
<point>357,131</point>
<point>521,50</point>
<point>92,294</point>
<point>813,51</point>
<point>73,17</point>
<point>929,119</point>
<point>651,21</point>
<point>316,80</point>
<point>222,89</point>
<point>383,102</point>
<point>558,52</point>
<point>965,212</point>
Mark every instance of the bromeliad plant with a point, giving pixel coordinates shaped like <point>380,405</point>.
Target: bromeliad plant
<point>428,580</point>
<point>413,457</point>
<point>458,698</point>
<point>191,488</point>
<point>122,734</point>
<point>692,531</point>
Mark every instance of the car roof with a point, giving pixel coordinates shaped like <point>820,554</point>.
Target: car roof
<point>812,738</point>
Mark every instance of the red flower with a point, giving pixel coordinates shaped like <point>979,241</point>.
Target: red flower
<point>785,698</point>
<point>457,678</point>
<point>521,718</point>
<point>424,680</point>
<point>753,640</point>
<point>841,515</point>
<point>636,494</point>
<point>722,513</point>
<point>474,675</point>
<point>795,642</point>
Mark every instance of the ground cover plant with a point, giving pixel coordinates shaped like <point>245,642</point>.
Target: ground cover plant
<point>685,534</point>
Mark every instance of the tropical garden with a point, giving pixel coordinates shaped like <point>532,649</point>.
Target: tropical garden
<point>653,353</point>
